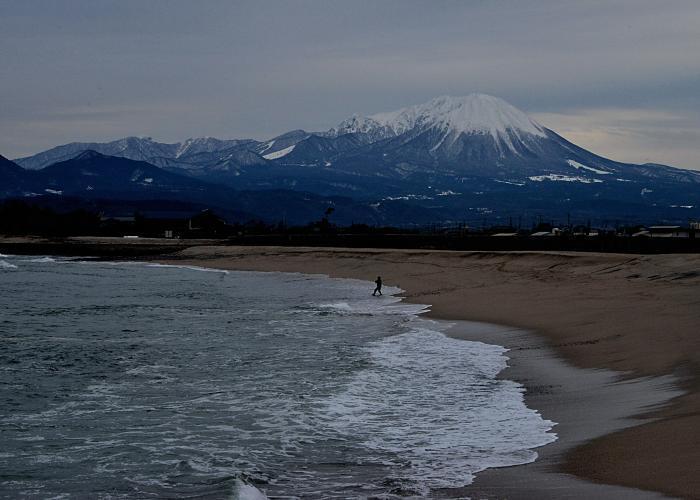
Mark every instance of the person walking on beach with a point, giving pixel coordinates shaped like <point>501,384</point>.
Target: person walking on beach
<point>378,281</point>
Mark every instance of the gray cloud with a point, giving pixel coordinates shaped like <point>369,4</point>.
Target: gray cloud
<point>96,70</point>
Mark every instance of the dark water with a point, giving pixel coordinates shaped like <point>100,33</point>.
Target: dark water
<point>138,381</point>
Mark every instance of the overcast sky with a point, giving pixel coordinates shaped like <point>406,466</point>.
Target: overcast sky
<point>621,78</point>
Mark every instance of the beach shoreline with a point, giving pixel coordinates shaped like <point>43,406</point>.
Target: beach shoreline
<point>635,315</point>
<point>625,325</point>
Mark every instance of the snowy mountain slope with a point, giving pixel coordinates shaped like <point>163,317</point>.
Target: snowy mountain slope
<point>476,135</point>
<point>317,150</point>
<point>363,125</point>
<point>198,164</point>
<point>194,146</point>
<point>279,146</point>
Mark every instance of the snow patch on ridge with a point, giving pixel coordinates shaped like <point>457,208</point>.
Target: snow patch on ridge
<point>198,145</point>
<point>562,178</point>
<point>280,153</point>
<point>578,165</point>
<point>267,146</point>
<point>510,182</point>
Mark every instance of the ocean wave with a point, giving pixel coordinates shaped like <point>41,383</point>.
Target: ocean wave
<point>6,265</point>
<point>191,268</point>
<point>98,262</point>
<point>41,260</point>
<point>386,305</point>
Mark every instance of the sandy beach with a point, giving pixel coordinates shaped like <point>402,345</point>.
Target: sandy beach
<point>635,315</point>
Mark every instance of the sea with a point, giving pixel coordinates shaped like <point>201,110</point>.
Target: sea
<point>138,380</point>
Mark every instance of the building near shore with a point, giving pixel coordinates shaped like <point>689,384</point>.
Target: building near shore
<point>664,232</point>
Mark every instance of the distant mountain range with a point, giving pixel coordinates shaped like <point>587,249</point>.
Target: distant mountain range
<point>120,186</point>
<point>450,159</point>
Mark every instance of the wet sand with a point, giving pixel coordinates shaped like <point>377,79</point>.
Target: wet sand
<point>638,316</point>
<point>585,403</point>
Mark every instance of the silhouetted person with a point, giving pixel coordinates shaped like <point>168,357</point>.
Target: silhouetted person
<point>378,281</point>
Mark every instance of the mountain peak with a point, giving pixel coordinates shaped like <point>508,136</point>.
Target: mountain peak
<point>473,113</point>
<point>470,114</point>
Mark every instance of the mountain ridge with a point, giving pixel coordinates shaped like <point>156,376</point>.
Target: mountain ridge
<point>457,155</point>
<point>473,114</point>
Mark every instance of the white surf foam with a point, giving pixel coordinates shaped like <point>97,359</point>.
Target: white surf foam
<point>435,403</point>
<point>337,306</point>
<point>110,263</point>
<point>147,264</point>
<point>245,491</point>
<point>6,265</point>
<point>362,302</point>
<point>191,268</point>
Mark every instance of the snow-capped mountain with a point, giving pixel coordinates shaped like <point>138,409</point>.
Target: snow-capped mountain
<point>477,135</point>
<point>472,114</point>
<point>453,155</point>
<point>452,129</point>
<point>472,134</point>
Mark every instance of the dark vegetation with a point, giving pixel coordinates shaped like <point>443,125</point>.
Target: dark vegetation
<point>19,218</point>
